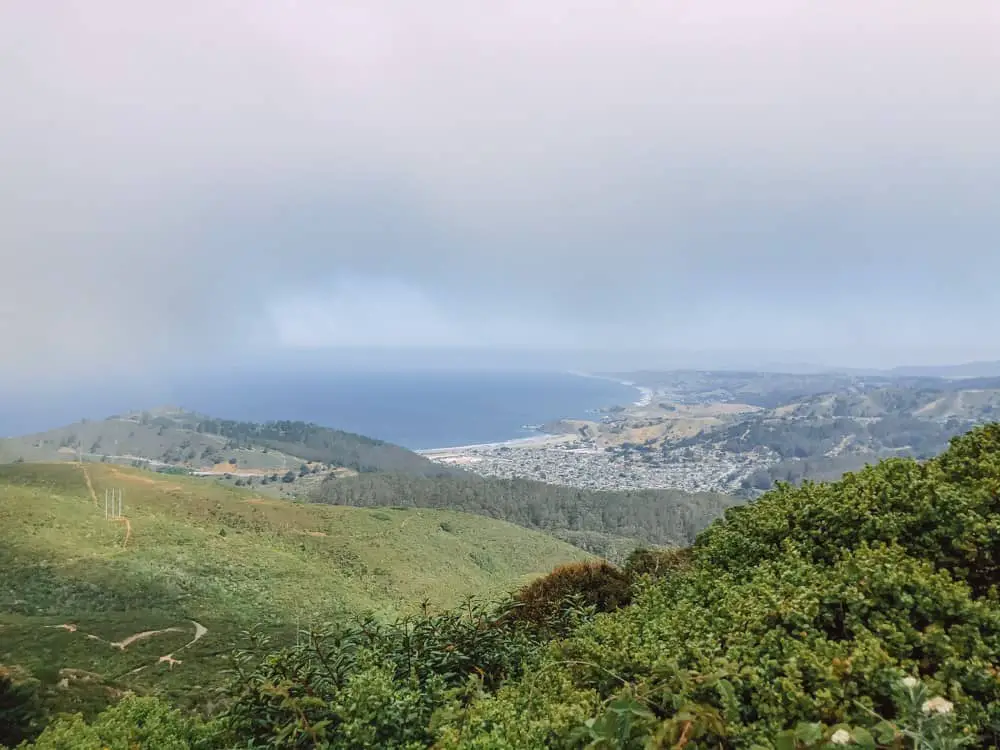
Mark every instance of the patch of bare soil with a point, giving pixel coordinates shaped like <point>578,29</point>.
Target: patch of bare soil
<point>126,642</point>
<point>77,674</point>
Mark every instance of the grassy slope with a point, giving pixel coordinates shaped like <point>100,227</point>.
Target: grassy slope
<point>224,558</point>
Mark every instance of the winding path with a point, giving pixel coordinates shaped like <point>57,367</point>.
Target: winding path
<point>128,530</point>
<point>200,631</point>
<point>125,642</point>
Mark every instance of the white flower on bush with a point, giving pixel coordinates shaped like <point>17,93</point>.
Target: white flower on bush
<point>910,682</point>
<point>841,737</point>
<point>938,705</point>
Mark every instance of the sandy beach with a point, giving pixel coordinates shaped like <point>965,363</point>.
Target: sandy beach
<point>534,441</point>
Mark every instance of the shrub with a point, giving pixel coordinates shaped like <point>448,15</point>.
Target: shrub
<point>945,511</point>
<point>594,583</point>
<point>20,708</point>
<point>862,613</point>
<point>658,562</point>
<point>364,684</point>
<point>133,723</point>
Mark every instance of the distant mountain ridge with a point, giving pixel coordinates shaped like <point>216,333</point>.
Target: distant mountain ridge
<point>985,369</point>
<point>173,437</point>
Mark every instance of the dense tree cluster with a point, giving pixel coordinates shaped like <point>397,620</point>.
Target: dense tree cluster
<point>596,520</point>
<point>314,443</point>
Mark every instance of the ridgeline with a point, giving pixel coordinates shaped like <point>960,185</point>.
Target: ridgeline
<point>174,438</point>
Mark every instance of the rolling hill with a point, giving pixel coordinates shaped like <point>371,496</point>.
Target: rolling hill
<point>155,603</point>
<point>170,437</point>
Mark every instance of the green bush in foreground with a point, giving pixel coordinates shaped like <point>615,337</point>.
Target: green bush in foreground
<point>365,684</point>
<point>133,723</point>
<point>20,709</point>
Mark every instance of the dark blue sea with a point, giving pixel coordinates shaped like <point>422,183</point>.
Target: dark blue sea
<point>417,410</point>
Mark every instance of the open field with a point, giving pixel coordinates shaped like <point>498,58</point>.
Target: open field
<point>90,613</point>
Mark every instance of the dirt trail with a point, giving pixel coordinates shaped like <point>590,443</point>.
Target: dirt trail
<point>200,631</point>
<point>168,659</point>
<point>125,642</point>
<point>128,531</point>
<point>72,628</point>
<point>90,485</point>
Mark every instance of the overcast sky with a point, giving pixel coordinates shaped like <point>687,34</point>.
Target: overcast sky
<point>183,179</point>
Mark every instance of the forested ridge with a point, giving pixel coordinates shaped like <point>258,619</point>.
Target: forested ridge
<point>597,520</point>
<point>861,613</point>
<point>315,443</point>
<point>189,440</point>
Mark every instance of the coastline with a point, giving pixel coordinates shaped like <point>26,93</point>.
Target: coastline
<point>645,394</point>
<point>541,439</point>
<point>533,441</point>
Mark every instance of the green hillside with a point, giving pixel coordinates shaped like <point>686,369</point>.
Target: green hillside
<point>203,561</point>
<point>170,437</point>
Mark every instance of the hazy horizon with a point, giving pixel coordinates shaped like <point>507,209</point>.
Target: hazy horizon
<point>191,184</point>
<point>378,395</point>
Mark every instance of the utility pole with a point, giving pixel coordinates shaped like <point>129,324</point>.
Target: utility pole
<point>114,504</point>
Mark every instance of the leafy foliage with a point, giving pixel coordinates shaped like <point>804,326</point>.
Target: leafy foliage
<point>593,583</point>
<point>135,722</point>
<point>364,684</point>
<point>946,511</point>
<point>658,562</point>
<point>20,708</point>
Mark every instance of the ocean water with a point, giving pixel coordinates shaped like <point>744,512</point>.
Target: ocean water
<point>418,410</point>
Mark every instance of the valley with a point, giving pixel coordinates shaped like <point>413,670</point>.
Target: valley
<point>91,612</point>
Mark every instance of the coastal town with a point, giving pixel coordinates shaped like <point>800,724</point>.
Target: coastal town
<point>576,463</point>
<point>628,447</point>
<point>737,432</point>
